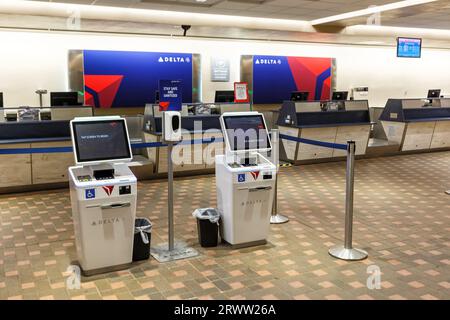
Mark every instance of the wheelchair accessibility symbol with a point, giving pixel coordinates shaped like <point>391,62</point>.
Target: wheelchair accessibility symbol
<point>241,177</point>
<point>90,193</point>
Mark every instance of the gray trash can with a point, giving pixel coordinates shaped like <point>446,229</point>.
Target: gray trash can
<point>142,239</point>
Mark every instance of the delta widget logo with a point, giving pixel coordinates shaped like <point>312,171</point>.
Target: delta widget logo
<point>108,189</point>
<point>255,174</point>
<point>174,60</point>
<point>268,61</point>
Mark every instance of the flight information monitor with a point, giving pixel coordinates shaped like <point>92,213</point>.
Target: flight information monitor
<point>409,47</point>
<point>103,140</point>
<point>246,132</point>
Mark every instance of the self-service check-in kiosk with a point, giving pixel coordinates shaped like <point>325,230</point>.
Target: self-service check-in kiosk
<point>103,193</point>
<point>245,179</point>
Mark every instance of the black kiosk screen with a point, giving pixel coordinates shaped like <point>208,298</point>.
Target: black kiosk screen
<point>246,132</point>
<point>101,140</point>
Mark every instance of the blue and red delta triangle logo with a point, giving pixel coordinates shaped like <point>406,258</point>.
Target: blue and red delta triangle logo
<point>255,174</point>
<point>108,189</point>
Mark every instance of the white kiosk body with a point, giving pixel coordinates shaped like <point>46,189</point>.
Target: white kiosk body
<point>245,179</point>
<point>103,193</point>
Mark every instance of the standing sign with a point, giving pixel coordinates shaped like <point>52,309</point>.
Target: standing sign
<point>170,95</point>
<point>241,92</point>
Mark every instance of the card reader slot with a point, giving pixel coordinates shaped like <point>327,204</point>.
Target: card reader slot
<point>111,206</point>
<point>256,189</point>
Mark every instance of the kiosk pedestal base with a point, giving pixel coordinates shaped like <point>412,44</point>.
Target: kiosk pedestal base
<point>352,254</point>
<point>180,251</point>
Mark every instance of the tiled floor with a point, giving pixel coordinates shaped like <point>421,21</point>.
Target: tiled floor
<point>402,218</point>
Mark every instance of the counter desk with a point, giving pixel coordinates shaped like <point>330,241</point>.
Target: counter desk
<point>36,128</point>
<point>327,121</point>
<point>49,128</point>
<point>198,121</point>
<point>417,124</point>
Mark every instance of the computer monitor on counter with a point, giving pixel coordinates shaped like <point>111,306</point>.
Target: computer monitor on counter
<point>434,93</point>
<point>299,96</point>
<point>1,99</point>
<point>59,99</point>
<point>340,96</point>
<point>224,96</point>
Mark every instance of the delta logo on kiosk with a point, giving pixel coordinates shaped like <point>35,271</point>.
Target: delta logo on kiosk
<point>255,174</point>
<point>108,189</point>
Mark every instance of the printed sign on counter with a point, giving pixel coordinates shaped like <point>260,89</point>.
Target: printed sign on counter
<point>170,95</point>
<point>241,92</point>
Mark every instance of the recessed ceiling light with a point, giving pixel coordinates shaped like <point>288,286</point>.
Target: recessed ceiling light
<point>200,0</point>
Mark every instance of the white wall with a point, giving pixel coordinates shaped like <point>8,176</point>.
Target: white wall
<point>34,60</point>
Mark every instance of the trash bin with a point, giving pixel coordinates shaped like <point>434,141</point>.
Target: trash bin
<point>142,238</point>
<point>207,226</point>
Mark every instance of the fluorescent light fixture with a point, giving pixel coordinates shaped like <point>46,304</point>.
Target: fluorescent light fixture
<point>371,10</point>
<point>97,12</point>
<point>393,32</point>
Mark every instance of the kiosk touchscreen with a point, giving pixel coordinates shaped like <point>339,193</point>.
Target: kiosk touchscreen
<point>245,179</point>
<point>103,193</point>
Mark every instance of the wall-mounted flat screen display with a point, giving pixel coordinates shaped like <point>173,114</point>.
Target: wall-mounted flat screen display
<point>409,47</point>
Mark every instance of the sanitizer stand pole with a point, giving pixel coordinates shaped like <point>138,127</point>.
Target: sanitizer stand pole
<point>170,194</point>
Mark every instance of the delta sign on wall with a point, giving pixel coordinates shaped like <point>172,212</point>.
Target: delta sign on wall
<point>275,77</point>
<point>130,79</point>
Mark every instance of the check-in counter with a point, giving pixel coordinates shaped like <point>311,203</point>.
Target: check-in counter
<point>417,124</point>
<point>198,121</point>
<point>28,131</point>
<point>327,121</point>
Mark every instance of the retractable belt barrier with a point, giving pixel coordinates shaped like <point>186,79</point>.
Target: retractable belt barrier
<point>344,252</point>
<point>133,146</point>
<point>161,144</point>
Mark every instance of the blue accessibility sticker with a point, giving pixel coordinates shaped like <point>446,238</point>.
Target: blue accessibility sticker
<point>90,193</point>
<point>241,177</point>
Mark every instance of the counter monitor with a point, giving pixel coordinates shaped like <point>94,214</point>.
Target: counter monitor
<point>340,96</point>
<point>246,132</point>
<point>434,93</point>
<point>299,96</point>
<point>98,141</point>
<point>58,99</point>
<point>224,96</point>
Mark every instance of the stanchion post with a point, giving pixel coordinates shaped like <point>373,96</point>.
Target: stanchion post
<point>347,252</point>
<point>276,218</point>
<point>170,195</point>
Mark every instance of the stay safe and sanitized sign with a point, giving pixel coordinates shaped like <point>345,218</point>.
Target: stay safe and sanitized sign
<point>170,95</point>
